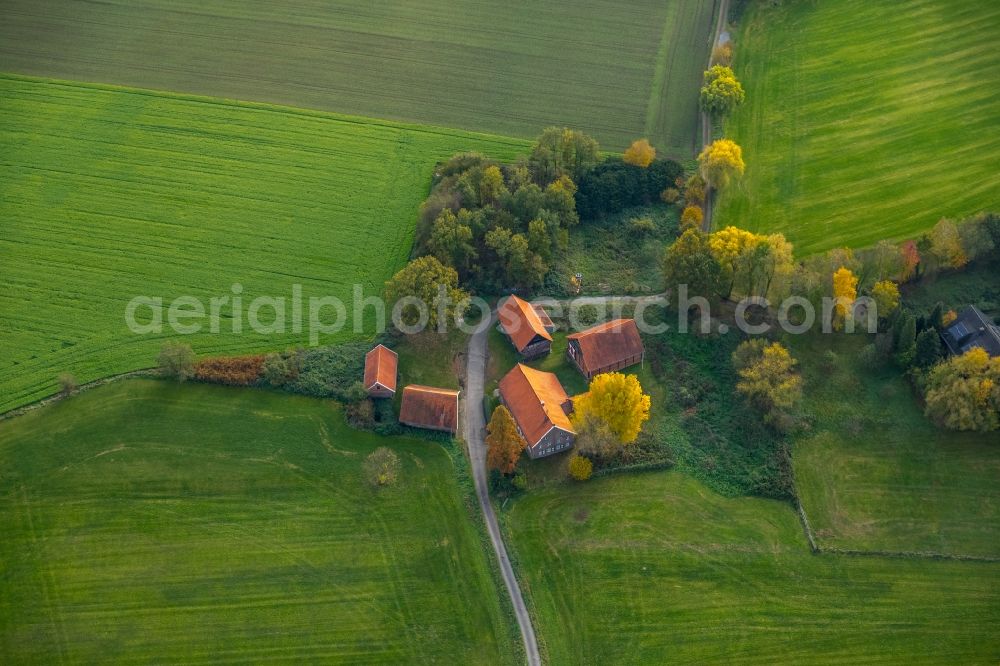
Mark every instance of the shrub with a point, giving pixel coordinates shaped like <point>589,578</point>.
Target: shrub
<point>641,226</point>
<point>330,372</point>
<point>381,467</point>
<point>870,356</point>
<point>723,54</point>
<point>580,467</point>
<point>67,383</point>
<point>694,191</point>
<point>230,370</point>
<point>670,195</point>
<point>280,369</point>
<point>361,414</point>
<point>176,360</point>
<point>587,315</point>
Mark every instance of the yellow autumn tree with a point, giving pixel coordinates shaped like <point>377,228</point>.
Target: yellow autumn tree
<point>845,292</point>
<point>768,379</point>
<point>691,218</point>
<point>963,393</point>
<point>720,162</point>
<point>752,264</point>
<point>946,244</point>
<point>886,296</point>
<point>504,443</point>
<point>617,400</point>
<point>728,246</point>
<point>640,153</point>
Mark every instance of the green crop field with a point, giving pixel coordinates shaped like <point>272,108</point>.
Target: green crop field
<point>109,194</point>
<point>618,72</point>
<point>865,120</point>
<point>654,568</point>
<point>149,522</point>
<point>874,474</point>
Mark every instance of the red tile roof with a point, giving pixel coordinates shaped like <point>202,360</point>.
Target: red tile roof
<point>607,344</point>
<point>429,407</point>
<point>520,321</point>
<point>380,367</point>
<point>536,400</point>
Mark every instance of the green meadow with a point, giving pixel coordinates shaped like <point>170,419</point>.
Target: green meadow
<point>864,120</point>
<point>656,568</point>
<point>616,71</point>
<point>111,193</point>
<point>198,524</point>
<point>874,474</point>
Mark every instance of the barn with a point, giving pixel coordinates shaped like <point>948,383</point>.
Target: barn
<point>606,347</point>
<point>540,408</point>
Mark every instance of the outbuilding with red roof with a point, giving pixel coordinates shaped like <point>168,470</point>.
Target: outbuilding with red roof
<point>606,347</point>
<point>380,372</point>
<point>429,407</point>
<point>527,332</point>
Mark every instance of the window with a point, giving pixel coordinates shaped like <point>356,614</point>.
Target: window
<point>959,331</point>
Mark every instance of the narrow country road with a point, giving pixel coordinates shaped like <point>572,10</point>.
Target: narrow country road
<point>474,429</point>
<point>706,119</point>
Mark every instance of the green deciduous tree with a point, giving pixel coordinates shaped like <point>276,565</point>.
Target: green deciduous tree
<point>560,151</point>
<point>427,279</point>
<point>491,186</point>
<point>451,241</point>
<point>176,360</point>
<point>928,348</point>
<point>689,260</point>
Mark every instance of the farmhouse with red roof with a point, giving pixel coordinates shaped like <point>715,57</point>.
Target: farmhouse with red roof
<point>429,407</point>
<point>380,372</point>
<point>526,330</point>
<point>540,408</point>
<point>606,347</point>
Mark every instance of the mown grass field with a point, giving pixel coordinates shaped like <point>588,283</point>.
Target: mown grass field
<point>865,120</point>
<point>655,568</point>
<point>146,521</point>
<point>108,194</point>
<point>618,72</point>
<point>875,474</point>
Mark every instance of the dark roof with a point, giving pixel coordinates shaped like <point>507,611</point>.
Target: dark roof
<point>380,368</point>
<point>606,344</point>
<point>972,329</point>
<point>521,323</point>
<point>429,407</point>
<point>537,402</point>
